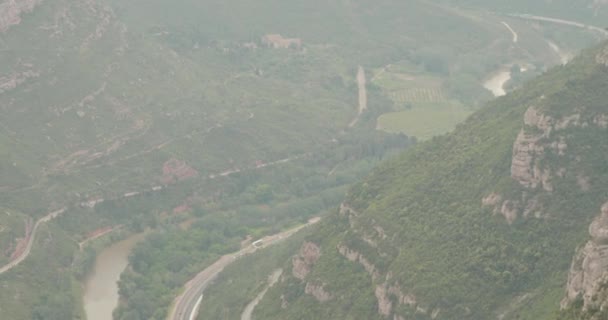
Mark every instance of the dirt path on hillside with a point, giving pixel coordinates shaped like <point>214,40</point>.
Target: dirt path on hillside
<point>515,35</point>
<point>30,240</point>
<point>272,280</point>
<point>361,82</point>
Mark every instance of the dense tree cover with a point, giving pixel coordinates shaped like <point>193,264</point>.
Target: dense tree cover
<point>458,258</point>
<point>54,295</point>
<point>252,203</point>
<point>165,261</point>
<point>178,80</point>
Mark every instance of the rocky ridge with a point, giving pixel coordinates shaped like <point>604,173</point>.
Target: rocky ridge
<point>11,11</point>
<point>589,271</point>
<point>302,265</point>
<point>418,243</point>
<point>541,135</point>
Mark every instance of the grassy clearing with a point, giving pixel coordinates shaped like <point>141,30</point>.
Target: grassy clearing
<point>424,120</point>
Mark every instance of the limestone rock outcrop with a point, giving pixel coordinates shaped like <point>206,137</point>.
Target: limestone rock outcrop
<point>589,270</point>
<point>304,261</point>
<point>11,11</point>
<point>541,134</point>
<point>355,256</point>
<point>302,265</point>
<point>318,292</point>
<point>602,57</point>
<point>530,147</point>
<point>12,81</point>
<point>277,41</point>
<point>601,121</point>
<point>389,295</point>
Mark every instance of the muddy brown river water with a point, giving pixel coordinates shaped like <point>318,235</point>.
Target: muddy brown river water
<point>101,287</point>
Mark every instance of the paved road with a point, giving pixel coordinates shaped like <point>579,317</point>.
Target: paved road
<point>185,306</point>
<point>562,22</point>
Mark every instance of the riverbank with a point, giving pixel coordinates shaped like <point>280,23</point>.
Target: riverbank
<point>101,284</point>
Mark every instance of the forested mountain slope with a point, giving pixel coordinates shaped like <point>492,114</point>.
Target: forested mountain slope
<point>482,223</point>
<point>209,122</point>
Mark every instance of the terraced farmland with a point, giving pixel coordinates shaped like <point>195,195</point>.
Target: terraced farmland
<point>417,95</point>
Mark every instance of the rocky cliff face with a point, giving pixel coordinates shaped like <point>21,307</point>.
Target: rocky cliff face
<point>589,272</point>
<point>540,134</point>
<point>602,57</point>
<point>417,244</point>
<point>302,265</point>
<point>303,262</point>
<point>541,137</point>
<point>11,82</point>
<point>11,11</point>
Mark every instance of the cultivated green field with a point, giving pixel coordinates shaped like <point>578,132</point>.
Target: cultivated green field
<point>424,120</point>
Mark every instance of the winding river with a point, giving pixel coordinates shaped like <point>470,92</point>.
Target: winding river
<point>101,287</point>
<point>497,82</point>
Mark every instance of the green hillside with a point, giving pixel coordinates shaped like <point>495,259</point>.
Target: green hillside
<point>207,122</point>
<point>478,224</point>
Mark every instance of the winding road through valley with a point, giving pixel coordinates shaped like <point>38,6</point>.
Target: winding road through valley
<point>186,305</point>
<point>92,203</point>
<point>562,22</point>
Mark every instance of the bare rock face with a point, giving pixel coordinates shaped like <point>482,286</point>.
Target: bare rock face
<point>511,209</point>
<point>305,260</point>
<point>318,291</point>
<point>532,143</point>
<point>599,227</point>
<point>589,268</point>
<point>493,199</point>
<point>387,295</point>
<point>355,256</point>
<point>11,82</point>
<point>385,305</point>
<point>277,41</point>
<point>602,57</point>
<point>529,148</point>
<point>11,10</point>
<point>302,264</point>
<point>541,134</point>
<point>601,121</point>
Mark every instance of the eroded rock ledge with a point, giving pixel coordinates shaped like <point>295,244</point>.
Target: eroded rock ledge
<point>602,57</point>
<point>541,135</point>
<point>531,145</point>
<point>589,271</point>
<point>11,10</point>
<point>355,256</point>
<point>302,265</point>
<point>304,261</point>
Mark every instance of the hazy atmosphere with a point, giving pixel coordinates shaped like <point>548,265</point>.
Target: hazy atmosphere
<point>304,160</point>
